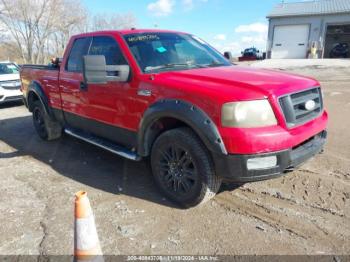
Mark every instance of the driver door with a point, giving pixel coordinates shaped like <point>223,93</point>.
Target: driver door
<point>107,106</point>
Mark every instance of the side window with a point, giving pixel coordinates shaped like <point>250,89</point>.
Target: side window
<point>79,49</point>
<point>107,46</point>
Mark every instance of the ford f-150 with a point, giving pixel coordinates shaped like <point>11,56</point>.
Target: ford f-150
<point>173,99</point>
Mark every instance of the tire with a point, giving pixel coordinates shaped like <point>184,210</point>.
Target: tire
<point>183,169</point>
<point>46,128</point>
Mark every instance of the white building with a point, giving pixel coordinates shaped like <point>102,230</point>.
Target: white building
<point>295,27</point>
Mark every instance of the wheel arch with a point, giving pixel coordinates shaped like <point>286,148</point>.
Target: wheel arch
<point>36,92</point>
<point>167,114</point>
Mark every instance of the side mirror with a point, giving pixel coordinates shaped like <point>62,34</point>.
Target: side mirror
<point>228,55</point>
<point>96,71</point>
<point>55,62</point>
<point>118,73</point>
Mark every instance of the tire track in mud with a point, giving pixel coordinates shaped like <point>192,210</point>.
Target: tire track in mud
<point>297,204</point>
<point>248,208</point>
<point>296,225</point>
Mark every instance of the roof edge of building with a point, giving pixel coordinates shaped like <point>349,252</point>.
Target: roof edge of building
<point>308,14</point>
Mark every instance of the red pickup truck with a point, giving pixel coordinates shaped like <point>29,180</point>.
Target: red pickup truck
<point>173,98</point>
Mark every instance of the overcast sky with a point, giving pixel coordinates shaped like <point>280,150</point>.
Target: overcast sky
<point>226,24</point>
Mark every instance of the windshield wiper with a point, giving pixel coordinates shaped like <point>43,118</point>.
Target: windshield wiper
<point>172,65</point>
<point>215,64</point>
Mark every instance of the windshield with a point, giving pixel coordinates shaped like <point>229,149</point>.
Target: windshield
<point>156,52</point>
<point>7,69</point>
<point>250,50</point>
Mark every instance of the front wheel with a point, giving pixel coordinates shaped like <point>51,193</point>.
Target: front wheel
<point>183,168</point>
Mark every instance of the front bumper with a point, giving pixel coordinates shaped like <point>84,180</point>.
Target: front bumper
<point>234,167</point>
<point>10,95</point>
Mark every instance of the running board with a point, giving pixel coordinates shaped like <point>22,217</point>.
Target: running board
<point>103,143</point>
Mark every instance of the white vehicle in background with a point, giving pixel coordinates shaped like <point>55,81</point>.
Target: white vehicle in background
<point>10,83</point>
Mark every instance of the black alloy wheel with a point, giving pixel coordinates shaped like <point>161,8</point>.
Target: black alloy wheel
<point>178,170</point>
<point>183,169</point>
<point>39,122</point>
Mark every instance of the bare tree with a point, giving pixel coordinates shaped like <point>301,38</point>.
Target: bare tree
<point>9,51</point>
<point>35,25</point>
<point>40,29</point>
<point>113,21</point>
<point>75,19</point>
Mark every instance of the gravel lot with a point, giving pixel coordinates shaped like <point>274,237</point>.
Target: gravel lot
<point>304,212</point>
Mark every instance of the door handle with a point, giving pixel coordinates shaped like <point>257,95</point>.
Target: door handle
<point>83,86</point>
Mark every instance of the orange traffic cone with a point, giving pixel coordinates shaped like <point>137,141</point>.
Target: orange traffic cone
<point>86,243</point>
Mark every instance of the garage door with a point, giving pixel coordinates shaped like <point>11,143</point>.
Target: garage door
<point>337,43</point>
<point>290,41</point>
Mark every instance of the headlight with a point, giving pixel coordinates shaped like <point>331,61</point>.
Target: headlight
<point>257,113</point>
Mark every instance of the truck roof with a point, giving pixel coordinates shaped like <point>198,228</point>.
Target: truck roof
<point>129,31</point>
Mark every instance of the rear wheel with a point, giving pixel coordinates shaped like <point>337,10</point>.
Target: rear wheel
<point>46,128</point>
<point>183,169</point>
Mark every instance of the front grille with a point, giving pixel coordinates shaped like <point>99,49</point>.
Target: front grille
<point>11,85</point>
<point>294,106</point>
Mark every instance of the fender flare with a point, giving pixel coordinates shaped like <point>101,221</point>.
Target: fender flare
<point>183,111</point>
<point>35,87</point>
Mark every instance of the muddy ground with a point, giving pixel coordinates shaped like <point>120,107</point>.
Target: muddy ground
<point>304,212</point>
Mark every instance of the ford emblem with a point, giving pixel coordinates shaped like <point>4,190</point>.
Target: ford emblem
<point>310,105</point>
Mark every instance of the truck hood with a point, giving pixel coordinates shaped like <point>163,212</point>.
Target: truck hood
<point>9,77</point>
<point>235,78</point>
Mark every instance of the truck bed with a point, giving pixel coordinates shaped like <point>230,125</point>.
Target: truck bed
<point>40,67</point>
<point>46,77</point>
